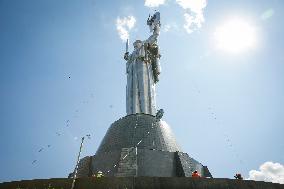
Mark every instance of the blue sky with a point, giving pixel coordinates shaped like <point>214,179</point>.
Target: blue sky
<point>226,109</point>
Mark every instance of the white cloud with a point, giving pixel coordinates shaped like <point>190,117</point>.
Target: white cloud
<point>192,22</point>
<point>170,27</point>
<point>124,25</point>
<point>154,3</point>
<point>194,5</point>
<point>194,13</point>
<point>269,172</point>
<point>167,27</point>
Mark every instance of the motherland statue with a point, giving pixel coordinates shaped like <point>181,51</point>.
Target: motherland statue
<point>143,69</point>
<point>141,143</point>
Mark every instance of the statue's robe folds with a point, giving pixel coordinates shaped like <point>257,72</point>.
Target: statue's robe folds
<point>140,89</point>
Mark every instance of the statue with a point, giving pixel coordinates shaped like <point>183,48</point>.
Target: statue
<point>143,70</point>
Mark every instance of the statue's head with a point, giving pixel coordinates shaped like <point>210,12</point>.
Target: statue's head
<point>137,44</point>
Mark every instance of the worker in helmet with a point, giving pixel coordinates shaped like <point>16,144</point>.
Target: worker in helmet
<point>99,174</point>
<point>195,174</point>
<point>238,176</point>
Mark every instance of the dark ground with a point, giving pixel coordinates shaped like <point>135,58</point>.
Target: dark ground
<point>140,182</point>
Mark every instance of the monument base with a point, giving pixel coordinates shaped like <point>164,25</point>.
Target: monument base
<point>140,145</point>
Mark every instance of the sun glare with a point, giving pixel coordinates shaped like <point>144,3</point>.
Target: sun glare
<point>235,36</point>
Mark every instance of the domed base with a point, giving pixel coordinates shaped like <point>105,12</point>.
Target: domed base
<point>139,145</point>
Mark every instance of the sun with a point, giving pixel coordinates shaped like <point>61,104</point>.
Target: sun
<point>235,36</point>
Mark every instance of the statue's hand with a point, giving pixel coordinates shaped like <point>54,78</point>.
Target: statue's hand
<point>126,56</point>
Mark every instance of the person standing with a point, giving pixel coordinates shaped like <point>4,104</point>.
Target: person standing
<point>195,174</point>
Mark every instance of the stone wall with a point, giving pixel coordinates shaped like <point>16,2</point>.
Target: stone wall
<point>186,165</point>
<point>156,163</point>
<point>144,162</point>
<point>127,167</point>
<point>140,183</point>
<point>84,167</point>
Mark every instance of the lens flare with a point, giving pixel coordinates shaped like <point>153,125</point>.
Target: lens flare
<point>235,36</point>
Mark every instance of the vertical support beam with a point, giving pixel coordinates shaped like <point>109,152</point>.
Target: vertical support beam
<point>78,159</point>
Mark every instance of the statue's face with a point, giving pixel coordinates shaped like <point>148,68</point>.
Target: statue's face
<point>137,44</point>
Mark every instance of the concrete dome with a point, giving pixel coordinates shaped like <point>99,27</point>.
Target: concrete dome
<point>128,131</point>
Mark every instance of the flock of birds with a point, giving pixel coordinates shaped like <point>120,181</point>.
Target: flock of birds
<point>67,125</point>
<point>211,112</point>
<point>214,116</point>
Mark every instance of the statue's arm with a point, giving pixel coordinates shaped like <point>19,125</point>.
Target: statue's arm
<point>152,39</point>
<point>155,25</point>
<point>128,58</point>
